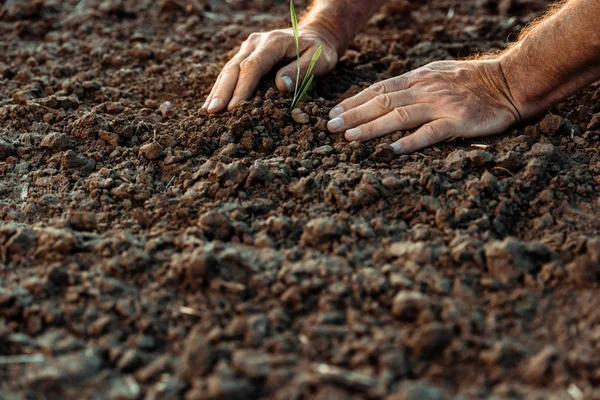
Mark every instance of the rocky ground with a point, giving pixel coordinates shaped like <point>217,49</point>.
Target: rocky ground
<point>150,251</point>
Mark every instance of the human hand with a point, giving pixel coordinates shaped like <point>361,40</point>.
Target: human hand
<point>259,54</point>
<point>443,99</point>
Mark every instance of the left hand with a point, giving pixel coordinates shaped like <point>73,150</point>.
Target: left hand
<point>443,99</point>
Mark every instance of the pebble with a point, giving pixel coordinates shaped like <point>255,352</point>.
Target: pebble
<point>6,149</point>
<point>509,259</point>
<point>151,151</point>
<point>511,160</point>
<point>384,153</point>
<point>538,369</point>
<point>480,157</point>
<point>407,305</point>
<point>167,110</point>
<point>319,230</point>
<point>82,220</point>
<point>555,125</point>
<point>457,159</point>
<point>430,340</point>
<point>216,224</point>
<point>253,364</point>
<point>300,116</point>
<point>198,355</point>
<point>323,150</point>
<point>72,367</point>
<point>110,137</point>
<point>56,141</point>
<point>72,160</point>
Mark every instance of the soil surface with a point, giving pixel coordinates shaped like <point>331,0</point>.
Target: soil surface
<point>149,251</point>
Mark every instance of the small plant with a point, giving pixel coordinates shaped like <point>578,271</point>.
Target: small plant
<point>308,78</point>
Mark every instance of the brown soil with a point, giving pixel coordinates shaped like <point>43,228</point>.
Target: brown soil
<point>148,250</point>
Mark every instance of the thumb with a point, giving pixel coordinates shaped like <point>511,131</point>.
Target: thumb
<point>286,77</point>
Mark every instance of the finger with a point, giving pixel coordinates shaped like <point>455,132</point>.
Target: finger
<point>212,91</point>
<point>371,110</point>
<point>377,89</point>
<point>428,135</point>
<point>223,89</point>
<point>399,119</point>
<point>253,68</point>
<point>286,77</point>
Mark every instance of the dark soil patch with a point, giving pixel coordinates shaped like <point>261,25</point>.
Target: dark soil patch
<point>148,250</point>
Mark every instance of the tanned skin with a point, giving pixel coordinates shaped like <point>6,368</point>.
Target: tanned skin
<point>554,58</point>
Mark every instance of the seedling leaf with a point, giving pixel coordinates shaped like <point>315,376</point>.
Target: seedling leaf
<point>303,92</point>
<point>313,61</point>
<point>294,18</point>
<point>308,78</point>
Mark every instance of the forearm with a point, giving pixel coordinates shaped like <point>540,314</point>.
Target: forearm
<point>340,19</point>
<point>555,58</point>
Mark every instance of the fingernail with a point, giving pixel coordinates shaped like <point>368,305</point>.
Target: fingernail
<point>397,148</point>
<point>288,83</point>
<point>205,104</point>
<point>335,124</point>
<point>214,104</point>
<point>336,111</point>
<point>352,133</point>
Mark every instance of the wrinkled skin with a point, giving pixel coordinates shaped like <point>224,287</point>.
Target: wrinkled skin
<point>444,99</point>
<point>259,54</point>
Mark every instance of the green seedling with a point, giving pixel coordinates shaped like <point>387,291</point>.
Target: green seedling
<point>299,92</point>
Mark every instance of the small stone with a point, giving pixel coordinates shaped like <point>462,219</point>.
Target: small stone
<point>300,116</point>
<point>321,124</point>
<point>384,153</point>
<point>320,230</point>
<point>110,137</point>
<point>480,157</point>
<point>166,109</point>
<point>252,364</point>
<point>511,258</point>
<point>216,224</point>
<point>457,159</point>
<point>6,149</point>
<point>430,340</point>
<point>511,161</point>
<point>151,151</point>
<point>323,150</point>
<point>538,369</point>
<point>408,305</point>
<point>554,125</point>
<point>124,388</point>
<point>149,103</point>
<point>59,276</point>
<point>56,141</point>
<point>72,367</point>
<point>130,360</point>
<point>167,388</point>
<point>82,220</point>
<point>88,126</point>
<point>114,107</point>
<point>72,160</point>
<point>198,355</point>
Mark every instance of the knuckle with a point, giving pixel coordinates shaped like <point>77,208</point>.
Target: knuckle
<point>383,101</point>
<point>433,133</point>
<point>249,64</point>
<point>254,37</point>
<point>402,115</point>
<point>377,89</point>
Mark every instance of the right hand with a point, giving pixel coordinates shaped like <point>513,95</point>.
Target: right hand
<point>260,53</point>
